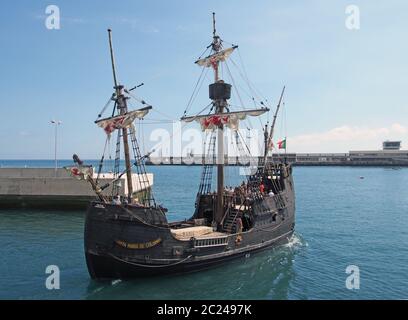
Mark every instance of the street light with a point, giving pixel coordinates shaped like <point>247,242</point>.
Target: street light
<point>56,123</point>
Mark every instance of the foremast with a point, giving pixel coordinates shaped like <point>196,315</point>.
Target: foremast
<point>121,103</point>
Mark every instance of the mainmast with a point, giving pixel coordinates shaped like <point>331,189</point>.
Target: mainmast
<point>121,102</point>
<point>222,117</point>
<point>219,93</point>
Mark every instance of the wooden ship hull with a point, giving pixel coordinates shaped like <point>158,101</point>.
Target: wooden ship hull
<point>129,241</point>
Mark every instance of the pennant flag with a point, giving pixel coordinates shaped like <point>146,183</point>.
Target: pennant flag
<point>80,172</point>
<point>282,144</point>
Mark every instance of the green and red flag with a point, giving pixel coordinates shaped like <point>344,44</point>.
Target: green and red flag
<point>282,144</point>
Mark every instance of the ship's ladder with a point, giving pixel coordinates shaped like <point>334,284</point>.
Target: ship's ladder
<point>116,170</point>
<point>143,180</point>
<point>231,216</point>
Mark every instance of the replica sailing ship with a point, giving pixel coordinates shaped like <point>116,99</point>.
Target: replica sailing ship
<point>133,238</point>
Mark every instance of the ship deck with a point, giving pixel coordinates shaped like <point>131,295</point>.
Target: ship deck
<point>197,232</point>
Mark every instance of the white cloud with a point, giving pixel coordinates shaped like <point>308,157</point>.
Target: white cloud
<point>137,25</point>
<point>345,138</point>
<point>396,127</point>
<point>70,20</point>
<point>24,133</point>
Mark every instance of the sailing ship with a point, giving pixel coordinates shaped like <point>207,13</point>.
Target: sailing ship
<point>132,237</point>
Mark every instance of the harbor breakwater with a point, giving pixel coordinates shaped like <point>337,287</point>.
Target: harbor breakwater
<point>54,188</point>
<point>353,158</point>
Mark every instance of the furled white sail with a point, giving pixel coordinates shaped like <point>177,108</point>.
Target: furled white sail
<point>229,119</point>
<point>214,58</point>
<point>79,172</point>
<point>121,121</point>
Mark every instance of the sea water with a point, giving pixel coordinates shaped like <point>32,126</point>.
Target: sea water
<point>345,216</point>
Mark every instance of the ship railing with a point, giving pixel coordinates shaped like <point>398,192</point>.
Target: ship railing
<point>211,242</point>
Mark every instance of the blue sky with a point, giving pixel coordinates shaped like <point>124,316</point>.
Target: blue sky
<point>346,89</point>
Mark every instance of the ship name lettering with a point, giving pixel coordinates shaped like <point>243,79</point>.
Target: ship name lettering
<point>145,245</point>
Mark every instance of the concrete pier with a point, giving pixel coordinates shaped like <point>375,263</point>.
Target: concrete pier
<point>45,187</point>
<point>352,158</point>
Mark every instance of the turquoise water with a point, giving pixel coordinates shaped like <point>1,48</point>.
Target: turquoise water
<point>341,220</point>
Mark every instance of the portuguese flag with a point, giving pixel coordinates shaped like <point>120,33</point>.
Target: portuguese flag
<point>282,144</point>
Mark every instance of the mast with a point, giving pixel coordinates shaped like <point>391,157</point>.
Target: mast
<point>122,108</point>
<point>220,102</point>
<point>268,137</point>
<point>222,117</point>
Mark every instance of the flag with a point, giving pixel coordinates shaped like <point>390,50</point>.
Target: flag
<point>282,144</point>
<point>79,172</point>
<point>270,145</point>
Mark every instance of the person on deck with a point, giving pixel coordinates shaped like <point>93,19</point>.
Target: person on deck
<point>262,187</point>
<point>116,200</point>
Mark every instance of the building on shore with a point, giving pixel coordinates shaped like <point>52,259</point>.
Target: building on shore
<point>392,145</point>
<point>390,155</point>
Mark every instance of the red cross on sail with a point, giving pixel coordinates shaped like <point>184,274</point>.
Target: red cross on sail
<point>215,121</point>
<point>80,172</point>
<point>230,119</point>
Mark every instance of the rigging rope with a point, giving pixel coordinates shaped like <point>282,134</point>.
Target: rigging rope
<point>247,78</point>
<point>180,129</point>
<point>163,114</point>
<point>102,158</point>
<point>192,97</point>
<point>206,49</point>
<point>106,105</point>
<point>240,99</point>
<point>251,88</point>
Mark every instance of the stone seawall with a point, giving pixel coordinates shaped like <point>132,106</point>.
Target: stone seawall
<point>43,187</point>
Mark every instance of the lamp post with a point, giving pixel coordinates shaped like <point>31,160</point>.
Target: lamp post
<point>56,123</point>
